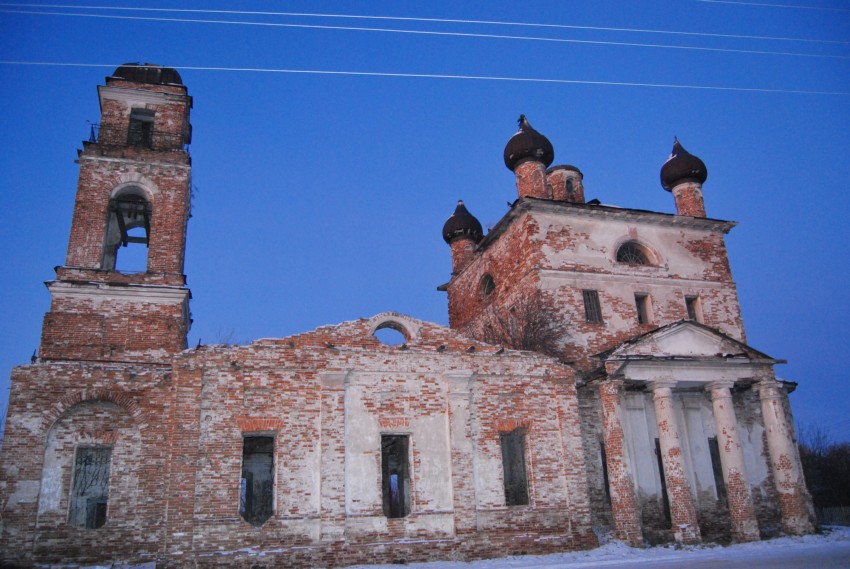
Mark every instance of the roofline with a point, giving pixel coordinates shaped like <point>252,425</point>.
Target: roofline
<point>762,357</point>
<point>522,205</point>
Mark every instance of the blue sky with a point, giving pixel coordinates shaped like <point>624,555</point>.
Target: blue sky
<point>320,197</point>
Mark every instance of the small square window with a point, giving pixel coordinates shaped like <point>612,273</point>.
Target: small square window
<point>141,128</point>
<point>694,307</point>
<point>644,308</point>
<point>592,308</point>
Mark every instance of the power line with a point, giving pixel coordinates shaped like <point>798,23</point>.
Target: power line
<point>429,20</point>
<point>446,76</point>
<point>427,32</point>
<point>768,5</point>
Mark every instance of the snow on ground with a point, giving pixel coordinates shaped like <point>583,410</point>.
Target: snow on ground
<point>829,549</point>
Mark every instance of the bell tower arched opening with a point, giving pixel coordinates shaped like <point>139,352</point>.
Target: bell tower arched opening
<point>128,232</point>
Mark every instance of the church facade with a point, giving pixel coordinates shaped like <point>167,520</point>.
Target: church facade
<point>595,380</point>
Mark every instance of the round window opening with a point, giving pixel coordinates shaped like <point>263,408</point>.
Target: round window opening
<point>632,253</point>
<point>390,334</point>
<point>488,285</point>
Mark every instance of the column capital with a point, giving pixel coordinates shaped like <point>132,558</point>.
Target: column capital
<point>659,385</point>
<point>768,389</point>
<point>720,389</point>
<point>612,386</point>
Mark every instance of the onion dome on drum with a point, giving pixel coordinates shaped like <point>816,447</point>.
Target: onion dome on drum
<point>528,144</point>
<point>462,224</point>
<point>682,166</point>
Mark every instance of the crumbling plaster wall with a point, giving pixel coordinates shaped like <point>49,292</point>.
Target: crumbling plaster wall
<point>580,254</point>
<point>328,396</point>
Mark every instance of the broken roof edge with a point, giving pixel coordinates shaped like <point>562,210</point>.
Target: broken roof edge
<point>358,335</point>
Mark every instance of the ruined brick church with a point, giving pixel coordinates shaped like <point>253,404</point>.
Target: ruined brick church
<point>595,380</point>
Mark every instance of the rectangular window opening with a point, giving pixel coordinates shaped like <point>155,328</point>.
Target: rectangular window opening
<point>256,495</point>
<point>694,306</point>
<point>513,465</point>
<point>90,492</point>
<point>605,480</point>
<point>394,475</point>
<point>664,497</point>
<point>592,308</point>
<point>644,308</point>
<point>717,469</point>
<point>141,128</point>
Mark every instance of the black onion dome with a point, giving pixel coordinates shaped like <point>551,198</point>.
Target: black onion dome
<point>528,144</point>
<point>682,166</point>
<point>462,224</point>
<point>149,73</point>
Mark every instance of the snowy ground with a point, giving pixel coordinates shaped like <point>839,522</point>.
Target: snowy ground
<point>826,551</point>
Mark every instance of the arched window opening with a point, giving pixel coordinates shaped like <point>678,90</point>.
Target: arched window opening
<point>488,285</point>
<point>391,334</point>
<point>632,253</point>
<point>129,226</point>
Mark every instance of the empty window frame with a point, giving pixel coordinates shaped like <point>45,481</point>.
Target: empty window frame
<point>717,469</point>
<point>256,494</point>
<point>643,304</point>
<point>395,480</point>
<point>694,307</point>
<point>141,128</point>
<point>488,285</point>
<point>665,498</point>
<point>592,308</point>
<point>632,253</point>
<point>513,466</point>
<point>90,489</point>
<point>605,481</point>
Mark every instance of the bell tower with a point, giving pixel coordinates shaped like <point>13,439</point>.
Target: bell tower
<point>121,295</point>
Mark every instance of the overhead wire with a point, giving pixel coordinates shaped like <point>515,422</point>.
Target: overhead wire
<point>770,5</point>
<point>427,20</point>
<point>448,76</point>
<point>430,33</point>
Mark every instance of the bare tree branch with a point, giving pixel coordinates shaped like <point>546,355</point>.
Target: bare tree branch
<point>530,323</point>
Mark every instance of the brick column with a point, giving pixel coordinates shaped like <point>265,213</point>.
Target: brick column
<point>627,524</point>
<point>463,472</point>
<point>784,460</point>
<point>741,511</point>
<point>682,509</point>
<point>332,501</point>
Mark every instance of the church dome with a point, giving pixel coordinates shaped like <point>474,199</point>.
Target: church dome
<point>462,224</point>
<point>528,144</point>
<point>682,166</point>
<point>149,73</point>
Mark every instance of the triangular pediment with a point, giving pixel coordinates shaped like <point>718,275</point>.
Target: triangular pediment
<point>683,340</point>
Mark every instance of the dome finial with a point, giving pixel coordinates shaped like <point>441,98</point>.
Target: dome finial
<point>682,166</point>
<point>462,224</point>
<point>528,144</point>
